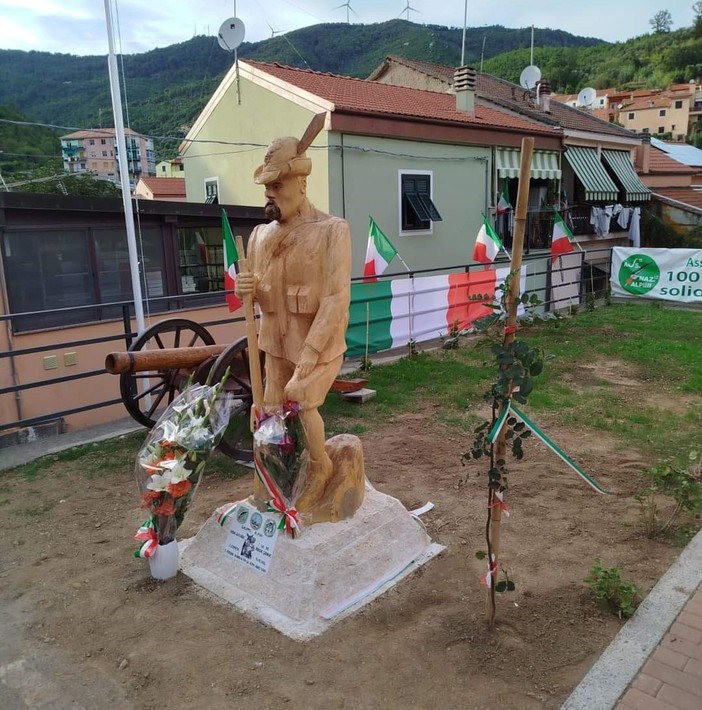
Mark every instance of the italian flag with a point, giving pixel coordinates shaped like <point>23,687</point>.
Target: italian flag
<point>561,238</point>
<point>487,244</point>
<point>503,204</point>
<point>390,313</point>
<point>379,253</point>
<point>230,259</point>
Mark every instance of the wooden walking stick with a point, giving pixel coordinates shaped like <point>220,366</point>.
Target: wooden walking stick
<point>254,358</point>
<point>251,335</point>
<point>510,330</point>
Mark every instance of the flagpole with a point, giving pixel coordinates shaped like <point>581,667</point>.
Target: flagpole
<point>367,332</point>
<point>124,171</point>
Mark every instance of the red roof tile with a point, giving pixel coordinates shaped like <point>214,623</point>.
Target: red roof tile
<point>661,163</point>
<point>687,195</point>
<point>165,187</point>
<point>364,96</point>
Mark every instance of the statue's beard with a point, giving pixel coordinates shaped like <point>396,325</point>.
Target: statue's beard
<point>272,210</point>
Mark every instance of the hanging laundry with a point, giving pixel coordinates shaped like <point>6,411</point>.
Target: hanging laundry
<point>623,218</point>
<point>635,227</point>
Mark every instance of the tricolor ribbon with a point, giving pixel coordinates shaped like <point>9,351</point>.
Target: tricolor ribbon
<point>498,501</point>
<point>147,532</point>
<point>289,516</point>
<point>562,455</point>
<point>225,511</point>
<point>539,434</point>
<point>490,574</point>
<point>289,519</point>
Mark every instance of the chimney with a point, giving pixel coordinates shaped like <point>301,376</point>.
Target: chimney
<point>642,159</point>
<point>543,95</point>
<point>464,86</point>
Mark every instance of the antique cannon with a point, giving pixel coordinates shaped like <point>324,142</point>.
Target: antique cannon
<point>164,357</point>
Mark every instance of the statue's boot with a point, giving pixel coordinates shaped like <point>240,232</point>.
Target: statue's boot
<point>320,472</point>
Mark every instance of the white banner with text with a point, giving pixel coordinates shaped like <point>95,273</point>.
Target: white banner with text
<point>666,274</point>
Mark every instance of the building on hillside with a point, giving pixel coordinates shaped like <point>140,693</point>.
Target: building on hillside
<point>675,111</point>
<point>170,168</point>
<point>170,189</point>
<point>600,103</point>
<point>381,145</point>
<point>95,151</point>
<point>596,156</point>
<point>657,114</point>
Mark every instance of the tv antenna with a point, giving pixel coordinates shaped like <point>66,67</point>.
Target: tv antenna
<point>408,8</point>
<point>348,7</point>
<point>529,76</point>
<point>587,97</point>
<point>230,36</point>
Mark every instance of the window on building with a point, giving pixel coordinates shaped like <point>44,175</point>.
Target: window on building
<point>417,210</point>
<point>678,104</point>
<point>661,129</point>
<point>212,191</point>
<point>53,269</point>
<point>631,115</point>
<point>92,141</point>
<point>201,259</point>
<point>644,130</point>
<point>661,112</point>
<point>103,142</point>
<point>48,270</point>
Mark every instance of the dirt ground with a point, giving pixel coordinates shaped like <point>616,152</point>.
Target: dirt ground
<point>89,628</point>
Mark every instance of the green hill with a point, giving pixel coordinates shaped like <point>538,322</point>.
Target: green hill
<point>165,89</point>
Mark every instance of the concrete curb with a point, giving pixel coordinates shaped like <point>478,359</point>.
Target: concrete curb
<point>607,680</point>
<point>18,455</point>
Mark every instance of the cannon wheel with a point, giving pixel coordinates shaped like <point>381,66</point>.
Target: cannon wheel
<point>163,385</point>
<point>237,441</point>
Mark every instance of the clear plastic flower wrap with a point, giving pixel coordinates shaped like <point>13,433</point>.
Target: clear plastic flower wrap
<point>281,462</point>
<point>169,465</point>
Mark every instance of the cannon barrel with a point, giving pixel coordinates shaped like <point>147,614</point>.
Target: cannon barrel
<point>161,359</point>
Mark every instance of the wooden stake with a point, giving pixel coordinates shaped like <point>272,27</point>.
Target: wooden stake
<point>251,336</point>
<point>520,218</point>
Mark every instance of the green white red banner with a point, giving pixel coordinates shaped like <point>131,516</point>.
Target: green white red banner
<point>391,313</point>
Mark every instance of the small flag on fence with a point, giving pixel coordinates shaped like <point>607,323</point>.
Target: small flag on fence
<point>487,244</point>
<point>230,259</point>
<point>379,253</point>
<point>561,238</point>
<point>503,204</point>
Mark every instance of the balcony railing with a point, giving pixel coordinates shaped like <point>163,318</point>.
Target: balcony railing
<point>539,226</point>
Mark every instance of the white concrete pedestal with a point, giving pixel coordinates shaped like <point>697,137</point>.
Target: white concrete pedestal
<point>330,571</point>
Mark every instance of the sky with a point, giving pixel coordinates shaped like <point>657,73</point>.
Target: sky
<point>79,27</point>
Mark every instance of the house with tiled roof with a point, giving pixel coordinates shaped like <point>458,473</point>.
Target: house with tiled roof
<point>170,189</point>
<point>380,144</point>
<point>595,162</point>
<point>674,184</point>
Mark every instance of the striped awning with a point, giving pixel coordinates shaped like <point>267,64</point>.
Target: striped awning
<point>544,164</point>
<point>623,170</point>
<point>599,186</point>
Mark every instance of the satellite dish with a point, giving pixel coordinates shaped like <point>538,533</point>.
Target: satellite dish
<point>529,76</point>
<point>587,96</point>
<point>231,34</point>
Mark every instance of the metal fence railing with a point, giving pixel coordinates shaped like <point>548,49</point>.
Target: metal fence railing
<point>425,314</point>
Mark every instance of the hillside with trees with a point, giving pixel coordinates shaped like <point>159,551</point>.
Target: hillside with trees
<point>165,89</point>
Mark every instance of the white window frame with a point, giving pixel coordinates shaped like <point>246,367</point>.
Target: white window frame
<point>409,232</point>
<point>213,179</point>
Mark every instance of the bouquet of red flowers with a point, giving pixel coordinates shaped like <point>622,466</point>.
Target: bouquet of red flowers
<point>171,461</point>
